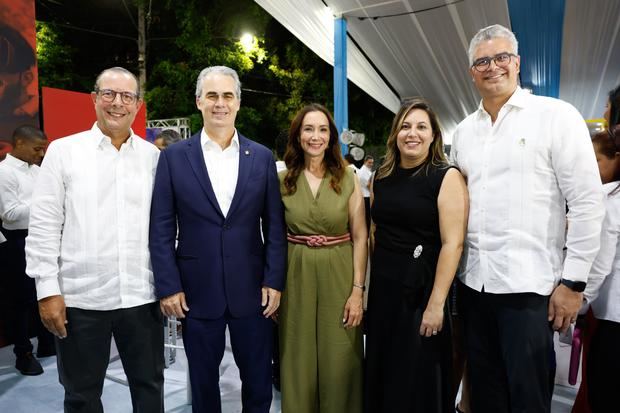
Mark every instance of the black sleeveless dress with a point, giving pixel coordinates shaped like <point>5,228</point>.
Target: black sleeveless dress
<point>406,372</point>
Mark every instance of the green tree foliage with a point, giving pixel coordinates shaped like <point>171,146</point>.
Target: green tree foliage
<point>278,73</point>
<point>197,34</point>
<point>53,57</point>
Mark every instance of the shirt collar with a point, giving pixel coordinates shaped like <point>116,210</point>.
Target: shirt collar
<point>99,137</point>
<point>518,99</point>
<point>610,186</point>
<point>206,141</point>
<point>15,162</point>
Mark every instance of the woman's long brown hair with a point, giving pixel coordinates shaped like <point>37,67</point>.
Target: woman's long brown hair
<point>436,156</point>
<point>294,155</point>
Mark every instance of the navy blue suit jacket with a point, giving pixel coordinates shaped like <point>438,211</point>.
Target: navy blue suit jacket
<point>220,262</point>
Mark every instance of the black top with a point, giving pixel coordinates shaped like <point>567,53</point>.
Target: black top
<point>405,208</point>
<point>407,237</point>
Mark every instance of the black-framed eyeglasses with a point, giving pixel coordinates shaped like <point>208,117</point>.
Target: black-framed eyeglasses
<point>109,95</point>
<point>500,59</point>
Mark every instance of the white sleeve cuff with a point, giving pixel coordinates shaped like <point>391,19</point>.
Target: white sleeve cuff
<point>576,270</point>
<point>47,287</point>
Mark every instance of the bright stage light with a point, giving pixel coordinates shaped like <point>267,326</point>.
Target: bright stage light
<point>247,42</point>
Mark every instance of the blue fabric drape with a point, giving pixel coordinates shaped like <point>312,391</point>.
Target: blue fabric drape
<point>341,96</point>
<point>538,25</point>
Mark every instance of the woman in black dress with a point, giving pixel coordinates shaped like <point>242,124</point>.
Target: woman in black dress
<point>419,213</point>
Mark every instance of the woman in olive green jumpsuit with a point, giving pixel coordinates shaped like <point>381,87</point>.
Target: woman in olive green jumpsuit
<point>320,338</point>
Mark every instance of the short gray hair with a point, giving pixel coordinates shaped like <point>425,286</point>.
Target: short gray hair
<point>222,70</point>
<point>118,69</point>
<point>492,32</point>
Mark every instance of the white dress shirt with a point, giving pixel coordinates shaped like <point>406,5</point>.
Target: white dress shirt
<point>521,171</point>
<point>16,183</point>
<point>603,289</point>
<point>365,174</point>
<point>89,222</point>
<point>223,168</point>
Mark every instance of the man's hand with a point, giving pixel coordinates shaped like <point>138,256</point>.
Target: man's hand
<point>54,315</point>
<point>271,301</point>
<point>563,307</point>
<point>174,305</point>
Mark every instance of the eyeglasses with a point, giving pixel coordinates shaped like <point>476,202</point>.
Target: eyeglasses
<point>500,59</point>
<point>109,96</point>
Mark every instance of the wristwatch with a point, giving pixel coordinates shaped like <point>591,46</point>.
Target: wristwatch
<point>576,286</point>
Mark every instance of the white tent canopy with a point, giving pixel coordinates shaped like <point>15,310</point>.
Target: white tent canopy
<point>425,53</point>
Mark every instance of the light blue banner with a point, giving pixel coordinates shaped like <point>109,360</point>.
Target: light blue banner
<point>341,95</point>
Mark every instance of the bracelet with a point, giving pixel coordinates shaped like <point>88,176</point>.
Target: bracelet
<point>360,286</point>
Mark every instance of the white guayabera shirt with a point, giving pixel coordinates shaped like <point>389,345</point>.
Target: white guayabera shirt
<point>521,173</point>
<point>89,222</point>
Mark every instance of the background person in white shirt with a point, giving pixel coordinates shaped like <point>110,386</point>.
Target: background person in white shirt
<point>350,162</point>
<point>365,176</point>
<point>87,250</point>
<point>525,158</point>
<point>17,175</point>
<point>603,290</point>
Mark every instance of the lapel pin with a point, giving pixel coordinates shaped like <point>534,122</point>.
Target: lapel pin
<point>247,152</point>
<point>522,142</point>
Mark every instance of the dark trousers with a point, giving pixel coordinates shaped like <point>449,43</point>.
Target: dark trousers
<point>509,349</point>
<point>83,356</point>
<point>21,295</point>
<point>251,340</point>
<point>603,366</point>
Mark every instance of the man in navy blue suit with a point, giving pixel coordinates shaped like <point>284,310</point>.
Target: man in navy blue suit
<point>222,191</point>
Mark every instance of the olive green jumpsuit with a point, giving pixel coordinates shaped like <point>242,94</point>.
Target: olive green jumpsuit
<point>320,360</point>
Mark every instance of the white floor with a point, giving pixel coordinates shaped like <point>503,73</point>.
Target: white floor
<point>42,394</point>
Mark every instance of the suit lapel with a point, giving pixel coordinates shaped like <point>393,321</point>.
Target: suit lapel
<point>197,163</point>
<point>246,159</point>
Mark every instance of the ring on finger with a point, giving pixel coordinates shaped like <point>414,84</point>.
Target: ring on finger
<point>434,332</point>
